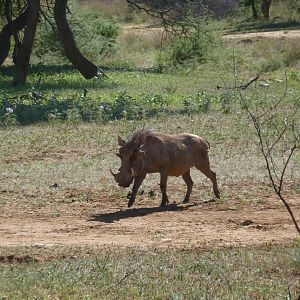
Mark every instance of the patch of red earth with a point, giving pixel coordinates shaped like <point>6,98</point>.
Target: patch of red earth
<point>104,221</point>
<point>48,156</point>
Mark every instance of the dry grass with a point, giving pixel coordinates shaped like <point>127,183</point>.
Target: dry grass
<point>116,9</point>
<point>108,8</point>
<point>282,10</point>
<point>139,46</point>
<point>73,155</point>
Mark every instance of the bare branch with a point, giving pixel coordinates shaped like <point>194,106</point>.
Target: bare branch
<point>241,87</point>
<point>285,166</point>
<point>266,148</point>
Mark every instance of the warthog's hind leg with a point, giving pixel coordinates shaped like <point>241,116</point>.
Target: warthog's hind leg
<point>189,183</point>
<point>204,167</point>
<point>215,184</point>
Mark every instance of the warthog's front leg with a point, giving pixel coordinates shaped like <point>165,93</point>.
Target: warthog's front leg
<point>163,188</point>
<point>137,183</point>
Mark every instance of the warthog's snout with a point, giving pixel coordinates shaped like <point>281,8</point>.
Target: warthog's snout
<point>121,180</point>
<point>124,185</point>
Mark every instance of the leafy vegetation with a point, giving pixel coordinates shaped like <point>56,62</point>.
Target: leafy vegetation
<point>95,37</point>
<point>194,47</point>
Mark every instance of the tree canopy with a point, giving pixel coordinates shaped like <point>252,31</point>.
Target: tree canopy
<point>24,15</point>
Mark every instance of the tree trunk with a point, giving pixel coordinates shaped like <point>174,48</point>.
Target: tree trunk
<point>254,11</point>
<point>25,49</point>
<point>265,7</point>
<point>5,35</point>
<point>83,65</point>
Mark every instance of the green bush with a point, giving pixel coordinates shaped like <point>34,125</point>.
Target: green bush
<point>94,36</point>
<point>193,46</point>
<point>35,106</point>
<point>47,48</point>
<point>271,64</point>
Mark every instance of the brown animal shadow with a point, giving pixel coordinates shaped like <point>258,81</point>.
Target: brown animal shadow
<point>137,212</point>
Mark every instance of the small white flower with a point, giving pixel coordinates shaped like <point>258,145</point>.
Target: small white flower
<point>9,110</point>
<point>263,84</point>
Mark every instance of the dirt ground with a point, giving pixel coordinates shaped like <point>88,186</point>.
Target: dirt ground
<point>293,34</point>
<point>105,221</point>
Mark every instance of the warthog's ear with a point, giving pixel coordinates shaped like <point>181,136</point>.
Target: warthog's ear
<point>121,141</point>
<point>138,164</point>
<point>142,148</point>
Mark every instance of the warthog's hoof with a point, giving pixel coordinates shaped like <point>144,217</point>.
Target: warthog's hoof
<point>185,200</point>
<point>130,203</point>
<point>217,193</point>
<point>164,202</point>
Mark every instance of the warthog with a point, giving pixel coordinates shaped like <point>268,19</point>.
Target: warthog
<point>169,155</point>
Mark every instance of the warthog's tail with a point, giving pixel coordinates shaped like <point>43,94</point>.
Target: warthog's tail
<point>208,144</point>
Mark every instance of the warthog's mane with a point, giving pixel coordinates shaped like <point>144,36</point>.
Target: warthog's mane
<point>140,135</point>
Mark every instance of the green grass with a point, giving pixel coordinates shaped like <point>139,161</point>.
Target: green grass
<point>78,156</point>
<point>58,91</point>
<point>267,273</point>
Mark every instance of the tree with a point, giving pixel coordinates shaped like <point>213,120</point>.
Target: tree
<point>22,17</point>
<point>28,13</point>
<point>253,7</point>
<point>277,128</point>
<point>25,48</point>
<point>11,28</point>
<point>265,7</point>
<point>84,66</point>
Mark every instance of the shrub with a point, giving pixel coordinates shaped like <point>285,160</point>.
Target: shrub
<point>95,37</point>
<point>291,53</point>
<point>35,106</point>
<point>193,46</point>
<point>271,64</point>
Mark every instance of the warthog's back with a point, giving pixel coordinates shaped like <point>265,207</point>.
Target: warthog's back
<point>177,152</point>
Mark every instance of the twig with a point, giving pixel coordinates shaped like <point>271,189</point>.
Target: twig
<point>289,293</point>
<point>241,87</point>
<point>126,276</point>
<point>266,151</point>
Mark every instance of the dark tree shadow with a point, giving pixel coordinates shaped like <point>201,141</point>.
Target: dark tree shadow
<point>61,82</point>
<point>253,26</point>
<point>138,212</point>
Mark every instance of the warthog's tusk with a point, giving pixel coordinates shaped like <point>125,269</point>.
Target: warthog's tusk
<point>132,173</point>
<point>112,173</point>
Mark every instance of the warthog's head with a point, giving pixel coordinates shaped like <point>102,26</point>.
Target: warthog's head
<point>132,158</point>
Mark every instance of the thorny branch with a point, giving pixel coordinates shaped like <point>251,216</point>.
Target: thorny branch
<point>176,22</point>
<point>261,120</point>
<point>266,149</point>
